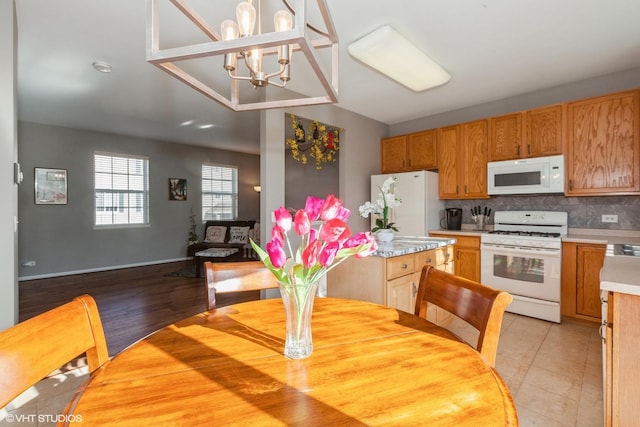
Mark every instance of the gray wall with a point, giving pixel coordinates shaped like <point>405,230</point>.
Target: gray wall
<point>61,239</point>
<point>629,79</point>
<point>8,155</point>
<point>302,180</point>
<point>359,158</point>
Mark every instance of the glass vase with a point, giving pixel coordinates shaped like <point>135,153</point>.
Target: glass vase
<point>298,306</point>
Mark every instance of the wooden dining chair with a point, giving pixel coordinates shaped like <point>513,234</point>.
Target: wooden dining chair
<point>242,276</point>
<point>480,306</point>
<point>31,350</point>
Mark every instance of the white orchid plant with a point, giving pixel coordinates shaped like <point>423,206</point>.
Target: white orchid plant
<point>386,201</point>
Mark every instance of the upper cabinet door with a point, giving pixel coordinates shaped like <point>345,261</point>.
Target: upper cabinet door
<point>422,150</point>
<point>505,141</point>
<point>449,145</point>
<point>392,154</point>
<point>474,160</point>
<point>544,131</point>
<point>603,146</point>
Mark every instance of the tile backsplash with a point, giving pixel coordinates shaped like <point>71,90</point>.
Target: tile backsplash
<point>583,212</point>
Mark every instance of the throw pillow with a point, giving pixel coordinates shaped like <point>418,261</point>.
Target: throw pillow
<point>215,234</point>
<point>239,235</point>
<point>256,233</point>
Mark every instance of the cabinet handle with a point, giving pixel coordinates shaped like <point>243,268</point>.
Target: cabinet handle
<point>428,260</point>
<point>571,184</point>
<point>415,290</point>
<point>529,149</point>
<point>409,162</point>
<point>405,266</point>
<point>518,150</point>
<point>601,331</point>
<point>457,189</point>
<point>403,163</point>
<point>465,189</point>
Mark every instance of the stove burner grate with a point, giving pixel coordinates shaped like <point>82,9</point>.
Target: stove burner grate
<point>525,233</point>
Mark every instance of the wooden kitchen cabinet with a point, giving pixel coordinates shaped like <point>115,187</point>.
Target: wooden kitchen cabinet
<point>544,131</point>
<point>532,133</point>
<point>462,160</point>
<point>466,254</point>
<point>393,154</point>
<point>401,293</point>
<point>603,145</point>
<point>505,137</point>
<point>415,151</point>
<point>622,388</point>
<point>389,281</point>
<point>581,264</point>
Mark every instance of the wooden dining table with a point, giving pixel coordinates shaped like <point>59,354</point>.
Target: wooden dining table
<point>371,365</point>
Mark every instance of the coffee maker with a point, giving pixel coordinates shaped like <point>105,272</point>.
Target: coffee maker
<point>453,218</point>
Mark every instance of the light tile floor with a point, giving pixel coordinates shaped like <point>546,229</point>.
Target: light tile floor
<point>554,372</point>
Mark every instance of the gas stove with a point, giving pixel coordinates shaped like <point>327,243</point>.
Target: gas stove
<point>536,229</point>
<point>523,257</point>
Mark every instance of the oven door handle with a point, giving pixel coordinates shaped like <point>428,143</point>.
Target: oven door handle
<point>521,251</point>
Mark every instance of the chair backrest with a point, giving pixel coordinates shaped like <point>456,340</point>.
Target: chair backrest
<point>31,350</point>
<point>222,277</point>
<point>480,306</point>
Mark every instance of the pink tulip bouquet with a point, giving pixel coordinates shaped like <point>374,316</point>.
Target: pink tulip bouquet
<point>320,249</point>
<point>298,272</point>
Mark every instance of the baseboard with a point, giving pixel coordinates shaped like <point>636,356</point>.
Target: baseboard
<point>96,270</point>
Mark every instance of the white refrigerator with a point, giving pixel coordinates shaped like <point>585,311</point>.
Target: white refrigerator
<point>420,210</point>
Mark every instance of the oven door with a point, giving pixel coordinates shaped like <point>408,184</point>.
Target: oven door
<point>529,272</point>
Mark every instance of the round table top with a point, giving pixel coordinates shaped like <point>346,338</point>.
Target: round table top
<point>371,365</point>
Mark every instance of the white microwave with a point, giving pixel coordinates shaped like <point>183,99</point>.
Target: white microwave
<point>526,176</point>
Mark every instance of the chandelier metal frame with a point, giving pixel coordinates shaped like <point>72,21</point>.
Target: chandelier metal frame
<point>298,38</point>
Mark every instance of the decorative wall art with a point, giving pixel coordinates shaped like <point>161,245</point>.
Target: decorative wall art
<point>50,186</point>
<point>177,189</point>
<point>317,141</point>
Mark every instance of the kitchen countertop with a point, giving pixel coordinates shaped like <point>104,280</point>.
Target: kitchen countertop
<point>620,273</point>
<point>600,236</point>
<point>403,245</point>
<point>464,232</point>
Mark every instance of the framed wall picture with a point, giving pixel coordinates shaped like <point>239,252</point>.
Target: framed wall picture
<point>51,186</point>
<point>177,189</point>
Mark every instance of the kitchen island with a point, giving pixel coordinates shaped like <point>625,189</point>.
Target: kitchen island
<point>391,275</point>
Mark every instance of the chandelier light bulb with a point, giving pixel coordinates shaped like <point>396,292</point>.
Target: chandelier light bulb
<point>246,16</point>
<point>282,21</point>
<point>255,60</point>
<point>229,30</point>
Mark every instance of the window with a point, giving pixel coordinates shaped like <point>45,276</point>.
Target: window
<point>219,192</point>
<point>122,189</point>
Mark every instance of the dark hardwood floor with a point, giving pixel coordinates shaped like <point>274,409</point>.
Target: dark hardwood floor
<point>133,302</point>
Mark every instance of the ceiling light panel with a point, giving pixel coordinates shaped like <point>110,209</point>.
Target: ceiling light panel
<point>386,51</point>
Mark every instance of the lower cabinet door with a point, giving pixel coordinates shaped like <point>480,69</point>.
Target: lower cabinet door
<point>401,293</point>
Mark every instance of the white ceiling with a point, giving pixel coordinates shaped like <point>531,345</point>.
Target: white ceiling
<point>493,49</point>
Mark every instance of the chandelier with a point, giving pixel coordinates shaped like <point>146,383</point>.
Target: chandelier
<point>251,58</point>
